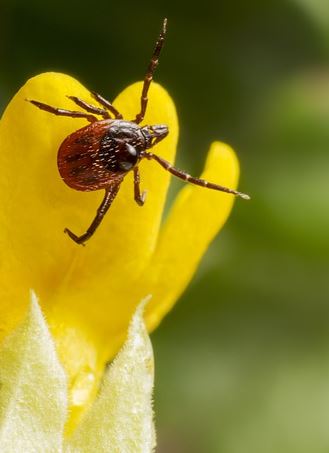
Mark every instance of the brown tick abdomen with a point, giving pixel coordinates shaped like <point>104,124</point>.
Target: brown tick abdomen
<point>78,162</point>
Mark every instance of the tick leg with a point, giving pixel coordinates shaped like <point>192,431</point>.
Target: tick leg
<point>139,197</point>
<point>197,181</point>
<point>150,71</point>
<point>110,194</point>
<point>63,112</point>
<point>90,108</point>
<point>107,104</point>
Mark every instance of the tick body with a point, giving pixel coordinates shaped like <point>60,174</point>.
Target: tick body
<point>103,152</point>
<point>99,155</point>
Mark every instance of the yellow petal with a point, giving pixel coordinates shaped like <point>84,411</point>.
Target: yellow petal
<point>36,206</point>
<point>88,293</point>
<point>34,201</point>
<point>121,419</point>
<point>194,220</point>
<point>109,269</point>
<point>33,389</point>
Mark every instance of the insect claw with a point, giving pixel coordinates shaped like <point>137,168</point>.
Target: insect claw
<point>143,197</point>
<point>243,195</point>
<point>75,238</point>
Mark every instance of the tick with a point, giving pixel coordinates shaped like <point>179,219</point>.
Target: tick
<point>99,155</point>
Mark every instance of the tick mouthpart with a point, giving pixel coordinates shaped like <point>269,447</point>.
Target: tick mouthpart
<point>154,134</point>
<point>160,130</point>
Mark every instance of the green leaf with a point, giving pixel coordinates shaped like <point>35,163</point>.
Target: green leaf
<point>121,419</point>
<point>32,389</point>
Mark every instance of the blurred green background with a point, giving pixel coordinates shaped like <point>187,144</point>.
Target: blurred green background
<point>242,362</point>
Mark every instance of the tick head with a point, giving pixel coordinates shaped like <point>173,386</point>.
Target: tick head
<point>154,134</point>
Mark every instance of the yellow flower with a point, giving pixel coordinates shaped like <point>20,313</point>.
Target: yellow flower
<point>89,293</point>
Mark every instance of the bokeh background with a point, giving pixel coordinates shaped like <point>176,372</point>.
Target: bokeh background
<point>242,362</point>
